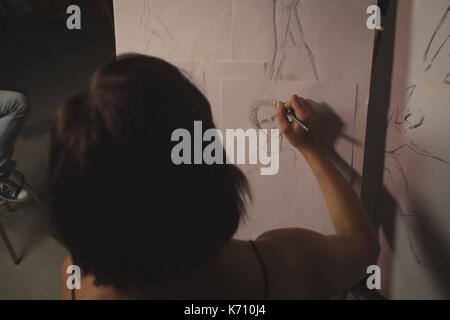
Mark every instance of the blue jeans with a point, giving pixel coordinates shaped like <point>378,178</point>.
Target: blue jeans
<point>13,114</point>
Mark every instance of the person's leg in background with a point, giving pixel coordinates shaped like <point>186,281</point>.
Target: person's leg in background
<point>13,114</point>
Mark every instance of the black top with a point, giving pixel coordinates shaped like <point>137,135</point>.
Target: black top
<point>263,269</point>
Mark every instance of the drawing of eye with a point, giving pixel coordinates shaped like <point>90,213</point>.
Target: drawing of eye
<point>265,121</point>
<point>274,118</point>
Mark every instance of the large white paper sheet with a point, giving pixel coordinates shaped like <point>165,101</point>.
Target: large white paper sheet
<point>306,40</point>
<point>174,29</point>
<point>325,39</point>
<point>207,76</point>
<point>218,70</point>
<point>298,39</point>
<point>291,198</point>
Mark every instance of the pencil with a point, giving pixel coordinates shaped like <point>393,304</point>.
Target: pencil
<point>292,116</point>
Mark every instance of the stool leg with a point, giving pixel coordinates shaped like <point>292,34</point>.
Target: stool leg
<point>8,244</point>
<point>7,206</point>
<point>33,194</point>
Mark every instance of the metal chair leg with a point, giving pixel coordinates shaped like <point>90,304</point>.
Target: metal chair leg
<point>32,193</point>
<point>7,206</point>
<point>8,244</point>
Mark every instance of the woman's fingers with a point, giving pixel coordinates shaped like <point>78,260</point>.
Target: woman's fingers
<point>295,133</point>
<point>283,118</point>
<point>300,107</point>
<point>309,105</point>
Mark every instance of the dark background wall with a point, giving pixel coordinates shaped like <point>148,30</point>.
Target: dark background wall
<point>40,57</point>
<point>47,62</point>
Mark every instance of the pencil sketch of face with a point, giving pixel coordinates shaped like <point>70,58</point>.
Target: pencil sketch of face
<point>263,116</point>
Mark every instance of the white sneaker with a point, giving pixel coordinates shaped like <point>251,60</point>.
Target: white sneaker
<point>12,192</point>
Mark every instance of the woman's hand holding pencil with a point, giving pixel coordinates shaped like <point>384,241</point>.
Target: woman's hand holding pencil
<point>301,131</point>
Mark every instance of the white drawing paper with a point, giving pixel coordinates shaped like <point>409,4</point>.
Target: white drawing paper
<point>307,40</point>
<point>218,70</point>
<point>174,29</point>
<point>292,197</point>
<point>206,77</point>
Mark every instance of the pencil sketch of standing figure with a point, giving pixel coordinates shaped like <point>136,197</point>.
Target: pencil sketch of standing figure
<point>438,40</point>
<point>292,57</point>
<point>154,26</point>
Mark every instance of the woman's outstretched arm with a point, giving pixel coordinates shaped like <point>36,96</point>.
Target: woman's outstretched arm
<point>321,265</point>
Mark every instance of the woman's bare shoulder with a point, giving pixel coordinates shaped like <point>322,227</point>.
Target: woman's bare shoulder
<point>66,294</point>
<point>88,290</point>
<point>287,254</point>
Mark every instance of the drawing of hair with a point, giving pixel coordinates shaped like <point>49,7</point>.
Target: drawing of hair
<point>254,113</point>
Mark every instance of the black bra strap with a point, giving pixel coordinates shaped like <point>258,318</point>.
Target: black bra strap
<point>263,268</point>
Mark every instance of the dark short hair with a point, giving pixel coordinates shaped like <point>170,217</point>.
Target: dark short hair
<point>127,214</point>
